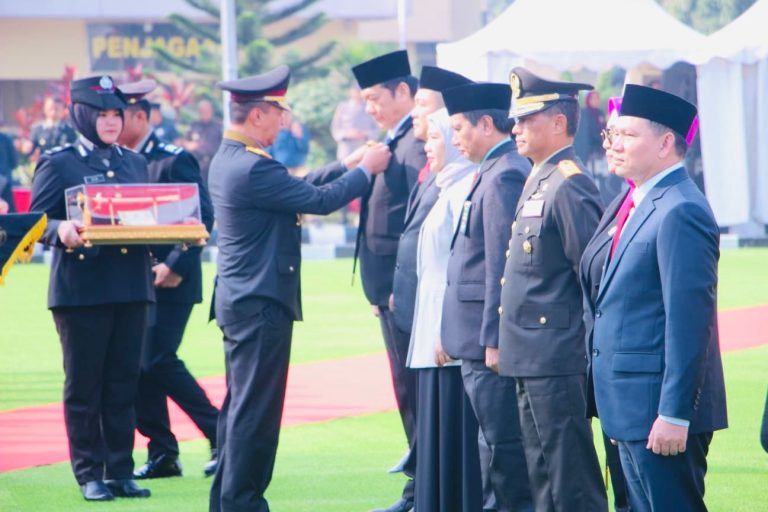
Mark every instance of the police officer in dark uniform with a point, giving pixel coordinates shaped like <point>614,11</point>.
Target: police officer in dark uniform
<point>179,286</point>
<point>541,333</point>
<point>52,131</point>
<point>257,299</point>
<point>388,88</point>
<point>479,115</point>
<point>98,295</point>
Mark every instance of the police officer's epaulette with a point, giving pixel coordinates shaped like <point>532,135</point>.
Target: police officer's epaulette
<point>258,151</point>
<point>568,168</point>
<point>59,149</point>
<point>170,148</point>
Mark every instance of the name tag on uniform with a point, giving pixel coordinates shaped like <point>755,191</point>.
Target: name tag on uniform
<point>96,178</point>
<point>464,222</point>
<point>533,208</point>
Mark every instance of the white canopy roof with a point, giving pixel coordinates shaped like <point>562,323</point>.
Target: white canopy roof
<point>744,40</point>
<point>568,35</point>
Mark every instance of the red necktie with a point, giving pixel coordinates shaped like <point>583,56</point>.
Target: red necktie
<point>622,216</point>
<point>423,173</point>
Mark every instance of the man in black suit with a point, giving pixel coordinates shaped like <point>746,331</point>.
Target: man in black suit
<point>256,300</point>
<point>541,336</point>
<point>470,328</point>
<point>388,89</point>
<point>179,286</point>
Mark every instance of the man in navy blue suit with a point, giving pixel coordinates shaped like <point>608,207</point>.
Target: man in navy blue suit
<point>655,360</point>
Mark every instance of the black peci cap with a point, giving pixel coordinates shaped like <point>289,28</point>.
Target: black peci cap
<point>135,92</point>
<point>271,87</point>
<point>382,69</point>
<point>531,93</point>
<point>659,106</point>
<point>97,91</point>
<point>477,96</point>
<point>438,79</point>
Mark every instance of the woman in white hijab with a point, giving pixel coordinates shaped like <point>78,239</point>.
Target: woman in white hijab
<point>447,471</point>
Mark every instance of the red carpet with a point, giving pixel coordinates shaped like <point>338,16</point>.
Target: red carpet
<point>33,436</point>
<point>322,391</point>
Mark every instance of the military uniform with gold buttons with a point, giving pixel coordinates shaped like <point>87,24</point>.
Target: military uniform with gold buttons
<point>257,298</point>
<point>163,374</point>
<point>541,331</point>
<point>99,297</point>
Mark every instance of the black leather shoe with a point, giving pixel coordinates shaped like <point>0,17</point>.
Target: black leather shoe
<point>127,489</point>
<point>162,466</point>
<point>400,466</point>
<point>210,467</point>
<point>400,505</point>
<point>96,490</point>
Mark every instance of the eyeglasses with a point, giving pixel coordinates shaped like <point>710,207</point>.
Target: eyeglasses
<point>609,135</point>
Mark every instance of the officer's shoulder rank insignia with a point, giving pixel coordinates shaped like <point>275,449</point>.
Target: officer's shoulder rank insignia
<point>170,148</point>
<point>568,168</point>
<point>258,151</point>
<point>58,149</point>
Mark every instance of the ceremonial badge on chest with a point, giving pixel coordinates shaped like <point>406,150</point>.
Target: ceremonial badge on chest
<point>464,222</point>
<point>96,178</point>
<point>533,208</point>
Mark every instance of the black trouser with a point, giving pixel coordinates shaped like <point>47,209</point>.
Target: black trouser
<point>101,346</point>
<point>563,468</point>
<point>404,381</point>
<point>164,375</point>
<point>502,461</point>
<point>257,351</point>
<point>664,483</point>
<point>448,472</point>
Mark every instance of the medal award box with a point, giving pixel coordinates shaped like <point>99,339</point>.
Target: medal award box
<point>159,213</point>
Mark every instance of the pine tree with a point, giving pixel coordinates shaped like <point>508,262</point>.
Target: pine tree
<point>255,50</point>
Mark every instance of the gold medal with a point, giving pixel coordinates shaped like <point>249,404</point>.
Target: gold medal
<point>527,247</point>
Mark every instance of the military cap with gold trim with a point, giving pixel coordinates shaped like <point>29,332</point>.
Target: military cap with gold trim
<point>97,91</point>
<point>270,87</point>
<point>382,69</point>
<point>532,94</point>
<point>658,106</point>
<point>438,79</point>
<point>135,92</point>
<point>477,96</point>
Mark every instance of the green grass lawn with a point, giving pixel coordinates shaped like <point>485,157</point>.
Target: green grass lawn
<point>338,465</point>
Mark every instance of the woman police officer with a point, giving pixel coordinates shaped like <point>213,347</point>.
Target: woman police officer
<point>98,296</point>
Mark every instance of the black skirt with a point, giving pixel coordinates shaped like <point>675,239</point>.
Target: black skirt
<point>448,464</point>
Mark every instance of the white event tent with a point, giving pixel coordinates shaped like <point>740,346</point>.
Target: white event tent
<point>732,87</point>
<point>565,35</point>
<point>568,35</point>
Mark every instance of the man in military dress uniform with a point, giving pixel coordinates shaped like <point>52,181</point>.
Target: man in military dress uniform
<point>52,131</point>
<point>203,137</point>
<point>541,334</point>
<point>470,328</point>
<point>179,286</point>
<point>256,300</point>
<point>388,88</point>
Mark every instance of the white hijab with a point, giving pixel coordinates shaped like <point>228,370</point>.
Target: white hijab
<point>456,166</point>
